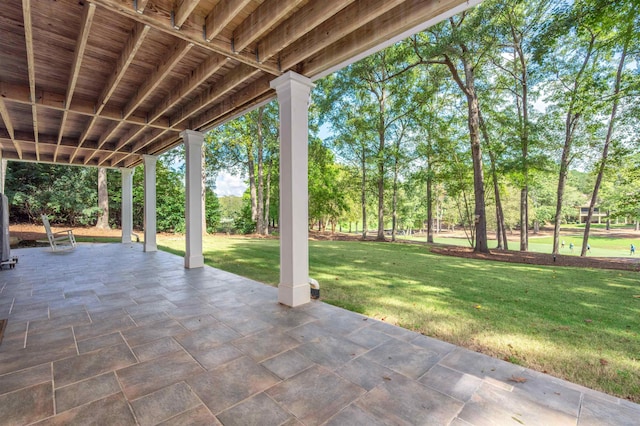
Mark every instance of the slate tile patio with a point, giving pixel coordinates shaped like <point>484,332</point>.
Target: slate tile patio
<point>111,335</point>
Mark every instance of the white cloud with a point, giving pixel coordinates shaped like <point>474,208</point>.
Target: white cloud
<point>227,184</point>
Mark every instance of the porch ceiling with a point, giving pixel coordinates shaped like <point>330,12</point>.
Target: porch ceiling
<point>101,82</point>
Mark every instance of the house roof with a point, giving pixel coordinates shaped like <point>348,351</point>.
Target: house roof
<point>101,82</point>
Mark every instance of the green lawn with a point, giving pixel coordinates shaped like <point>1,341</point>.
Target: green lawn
<point>579,324</point>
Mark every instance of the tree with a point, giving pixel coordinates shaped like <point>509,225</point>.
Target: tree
<point>103,200</point>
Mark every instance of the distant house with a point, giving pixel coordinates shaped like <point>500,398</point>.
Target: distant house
<point>595,218</point>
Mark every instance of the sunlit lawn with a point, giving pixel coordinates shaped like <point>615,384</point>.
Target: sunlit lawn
<point>579,324</point>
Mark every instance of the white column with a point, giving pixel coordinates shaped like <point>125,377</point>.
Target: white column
<point>3,172</point>
<point>193,201</point>
<point>293,96</point>
<point>150,202</point>
<point>127,204</point>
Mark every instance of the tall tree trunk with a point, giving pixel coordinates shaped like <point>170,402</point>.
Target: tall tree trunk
<point>394,199</point>
<point>203,195</point>
<point>260,178</point>
<point>605,149</point>
<point>267,197</point>
<point>381,171</point>
<point>571,122</point>
<point>103,199</point>
<point>363,193</point>
<point>468,88</point>
<point>524,141</point>
<point>429,203</point>
<point>252,181</point>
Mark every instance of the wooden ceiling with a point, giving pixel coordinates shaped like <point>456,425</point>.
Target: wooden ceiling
<point>101,82</point>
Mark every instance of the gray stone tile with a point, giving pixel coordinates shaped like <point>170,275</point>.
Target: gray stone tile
<point>548,393</point>
<point>164,404</point>
<point>597,411</point>
<point>89,390</point>
<point>401,401</point>
<point>404,358</point>
<point>199,416</point>
<point>434,345</point>
<point>149,376</point>
<point>27,405</point>
<point>481,365</point>
<point>231,383</point>
<point>259,410</point>
<point>331,352</point>
<point>95,343</point>
<point>451,382</point>
<point>394,331</point>
<point>75,319</point>
<point>216,356</point>
<point>55,339</point>
<point>25,358</point>
<point>287,364</point>
<point>491,405</point>
<point>206,338</point>
<point>143,317</point>
<point>110,410</point>
<point>25,378</point>
<point>368,337</point>
<point>99,327</point>
<point>365,373</point>
<point>265,345</point>
<point>156,349</point>
<point>315,395</point>
<point>83,366</point>
<point>198,322</point>
<point>355,416</point>
<point>140,335</point>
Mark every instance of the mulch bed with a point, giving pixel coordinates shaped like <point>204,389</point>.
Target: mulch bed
<point>531,258</point>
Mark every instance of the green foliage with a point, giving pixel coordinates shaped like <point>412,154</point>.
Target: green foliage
<point>243,222</point>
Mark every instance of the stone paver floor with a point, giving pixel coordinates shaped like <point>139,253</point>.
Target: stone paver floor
<point>107,334</point>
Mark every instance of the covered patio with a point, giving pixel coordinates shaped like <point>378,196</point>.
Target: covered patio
<point>109,334</point>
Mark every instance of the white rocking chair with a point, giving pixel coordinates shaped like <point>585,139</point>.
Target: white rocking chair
<point>61,240</point>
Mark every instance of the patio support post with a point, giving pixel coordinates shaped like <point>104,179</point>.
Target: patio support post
<point>3,172</point>
<point>127,204</point>
<point>193,142</point>
<point>293,96</point>
<point>150,202</point>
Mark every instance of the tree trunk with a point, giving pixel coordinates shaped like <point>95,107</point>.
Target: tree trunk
<point>429,203</point>
<point>381,171</point>
<point>394,200</point>
<point>605,149</point>
<point>203,195</point>
<point>267,197</point>
<point>252,181</point>
<point>260,178</point>
<point>363,193</point>
<point>103,199</point>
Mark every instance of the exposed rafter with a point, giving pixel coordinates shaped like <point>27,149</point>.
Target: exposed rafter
<point>31,68</point>
<point>4,113</point>
<point>182,12</point>
<point>220,16</point>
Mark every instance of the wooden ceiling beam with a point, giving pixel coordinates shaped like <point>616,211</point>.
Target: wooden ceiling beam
<point>4,113</point>
<point>261,20</point>
<point>340,25</point>
<point>409,14</point>
<point>31,67</point>
<point>140,5</point>
<point>310,16</point>
<point>220,16</point>
<point>230,80</point>
<point>81,44</point>
<point>182,12</point>
<point>162,70</point>
<point>191,30</point>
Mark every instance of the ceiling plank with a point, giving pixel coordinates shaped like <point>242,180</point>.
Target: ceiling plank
<point>261,20</point>
<point>226,84</point>
<point>131,47</point>
<point>221,15</point>
<point>408,15</point>
<point>211,65</point>
<point>182,12</point>
<point>31,67</point>
<point>162,70</point>
<point>81,44</point>
<point>340,25</point>
<point>310,16</point>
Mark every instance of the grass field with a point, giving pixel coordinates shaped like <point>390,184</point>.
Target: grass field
<point>578,324</point>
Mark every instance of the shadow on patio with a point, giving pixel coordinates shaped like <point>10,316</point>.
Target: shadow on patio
<point>111,335</point>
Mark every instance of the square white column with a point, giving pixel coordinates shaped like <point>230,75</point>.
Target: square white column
<point>150,202</point>
<point>127,204</point>
<point>193,142</point>
<point>3,172</point>
<point>293,96</point>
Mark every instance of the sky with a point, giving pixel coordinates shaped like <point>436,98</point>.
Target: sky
<point>227,184</point>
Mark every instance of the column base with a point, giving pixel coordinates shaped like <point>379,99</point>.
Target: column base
<point>193,262</point>
<point>294,295</point>
<point>150,247</point>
